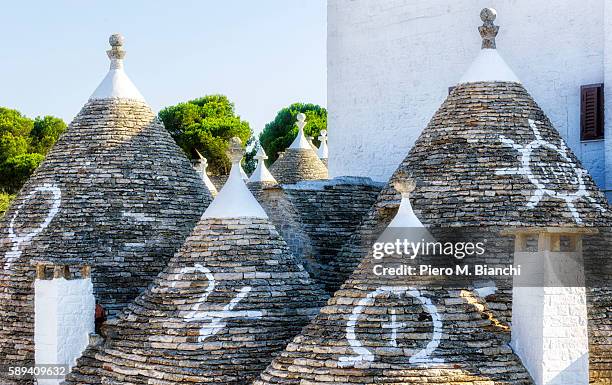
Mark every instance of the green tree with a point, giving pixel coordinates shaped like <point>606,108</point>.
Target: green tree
<point>45,132</point>
<point>16,170</point>
<point>279,133</point>
<point>5,201</point>
<point>14,133</point>
<point>23,145</point>
<point>206,124</point>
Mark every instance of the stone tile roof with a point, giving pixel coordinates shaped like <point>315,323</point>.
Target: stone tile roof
<point>330,211</point>
<point>378,331</point>
<point>285,218</point>
<point>230,299</point>
<point>489,157</point>
<point>471,170</point>
<point>298,164</point>
<point>115,192</point>
<point>300,161</point>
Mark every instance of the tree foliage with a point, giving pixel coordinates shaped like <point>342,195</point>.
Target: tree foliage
<point>5,201</point>
<point>279,133</point>
<point>206,124</point>
<point>23,145</point>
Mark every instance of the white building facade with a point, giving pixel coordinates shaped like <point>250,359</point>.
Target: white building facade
<point>391,63</point>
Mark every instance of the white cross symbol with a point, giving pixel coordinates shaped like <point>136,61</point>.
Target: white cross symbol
<point>393,325</point>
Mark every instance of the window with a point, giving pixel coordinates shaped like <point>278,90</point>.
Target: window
<point>591,112</point>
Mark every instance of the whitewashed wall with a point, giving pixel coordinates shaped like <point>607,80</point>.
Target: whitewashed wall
<point>64,313</point>
<point>390,63</point>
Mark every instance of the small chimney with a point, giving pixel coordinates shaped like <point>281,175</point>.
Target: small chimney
<point>549,313</point>
<point>64,311</point>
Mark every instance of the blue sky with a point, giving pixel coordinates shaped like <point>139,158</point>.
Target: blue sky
<point>262,54</point>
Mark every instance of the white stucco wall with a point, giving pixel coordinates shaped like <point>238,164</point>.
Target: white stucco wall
<point>549,334</point>
<point>390,64</point>
<point>64,312</point>
<point>549,323</point>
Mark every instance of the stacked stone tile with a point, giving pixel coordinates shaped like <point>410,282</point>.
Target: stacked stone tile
<point>230,299</point>
<point>489,157</point>
<point>115,193</point>
<point>375,331</point>
<point>314,217</point>
<point>330,211</point>
<point>281,211</point>
<point>599,301</point>
<point>218,180</point>
<point>300,161</point>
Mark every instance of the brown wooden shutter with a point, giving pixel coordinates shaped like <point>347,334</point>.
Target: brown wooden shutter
<point>591,112</point>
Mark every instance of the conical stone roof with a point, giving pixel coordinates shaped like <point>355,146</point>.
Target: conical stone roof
<point>300,161</point>
<point>228,300</point>
<point>378,331</point>
<point>115,192</point>
<point>261,173</point>
<point>280,211</point>
<point>489,157</point>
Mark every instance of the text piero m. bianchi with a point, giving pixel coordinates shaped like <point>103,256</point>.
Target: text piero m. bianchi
<point>403,257</point>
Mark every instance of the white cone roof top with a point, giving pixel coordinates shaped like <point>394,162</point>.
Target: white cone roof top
<point>405,216</point>
<point>201,167</point>
<point>489,66</point>
<point>243,173</point>
<point>235,200</point>
<point>116,84</point>
<point>300,141</point>
<point>261,173</point>
<point>323,151</point>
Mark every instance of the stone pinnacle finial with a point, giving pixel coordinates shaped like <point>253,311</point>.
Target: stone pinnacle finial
<point>488,30</point>
<point>301,121</point>
<point>261,154</point>
<point>323,135</point>
<point>404,185</point>
<point>235,151</point>
<point>203,162</point>
<point>116,53</point>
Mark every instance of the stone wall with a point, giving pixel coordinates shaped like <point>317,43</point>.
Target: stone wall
<point>331,210</point>
<point>283,215</point>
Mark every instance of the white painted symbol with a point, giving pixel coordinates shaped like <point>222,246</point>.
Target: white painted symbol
<point>17,240</point>
<point>364,354</point>
<point>558,171</point>
<point>394,326</point>
<point>214,321</point>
